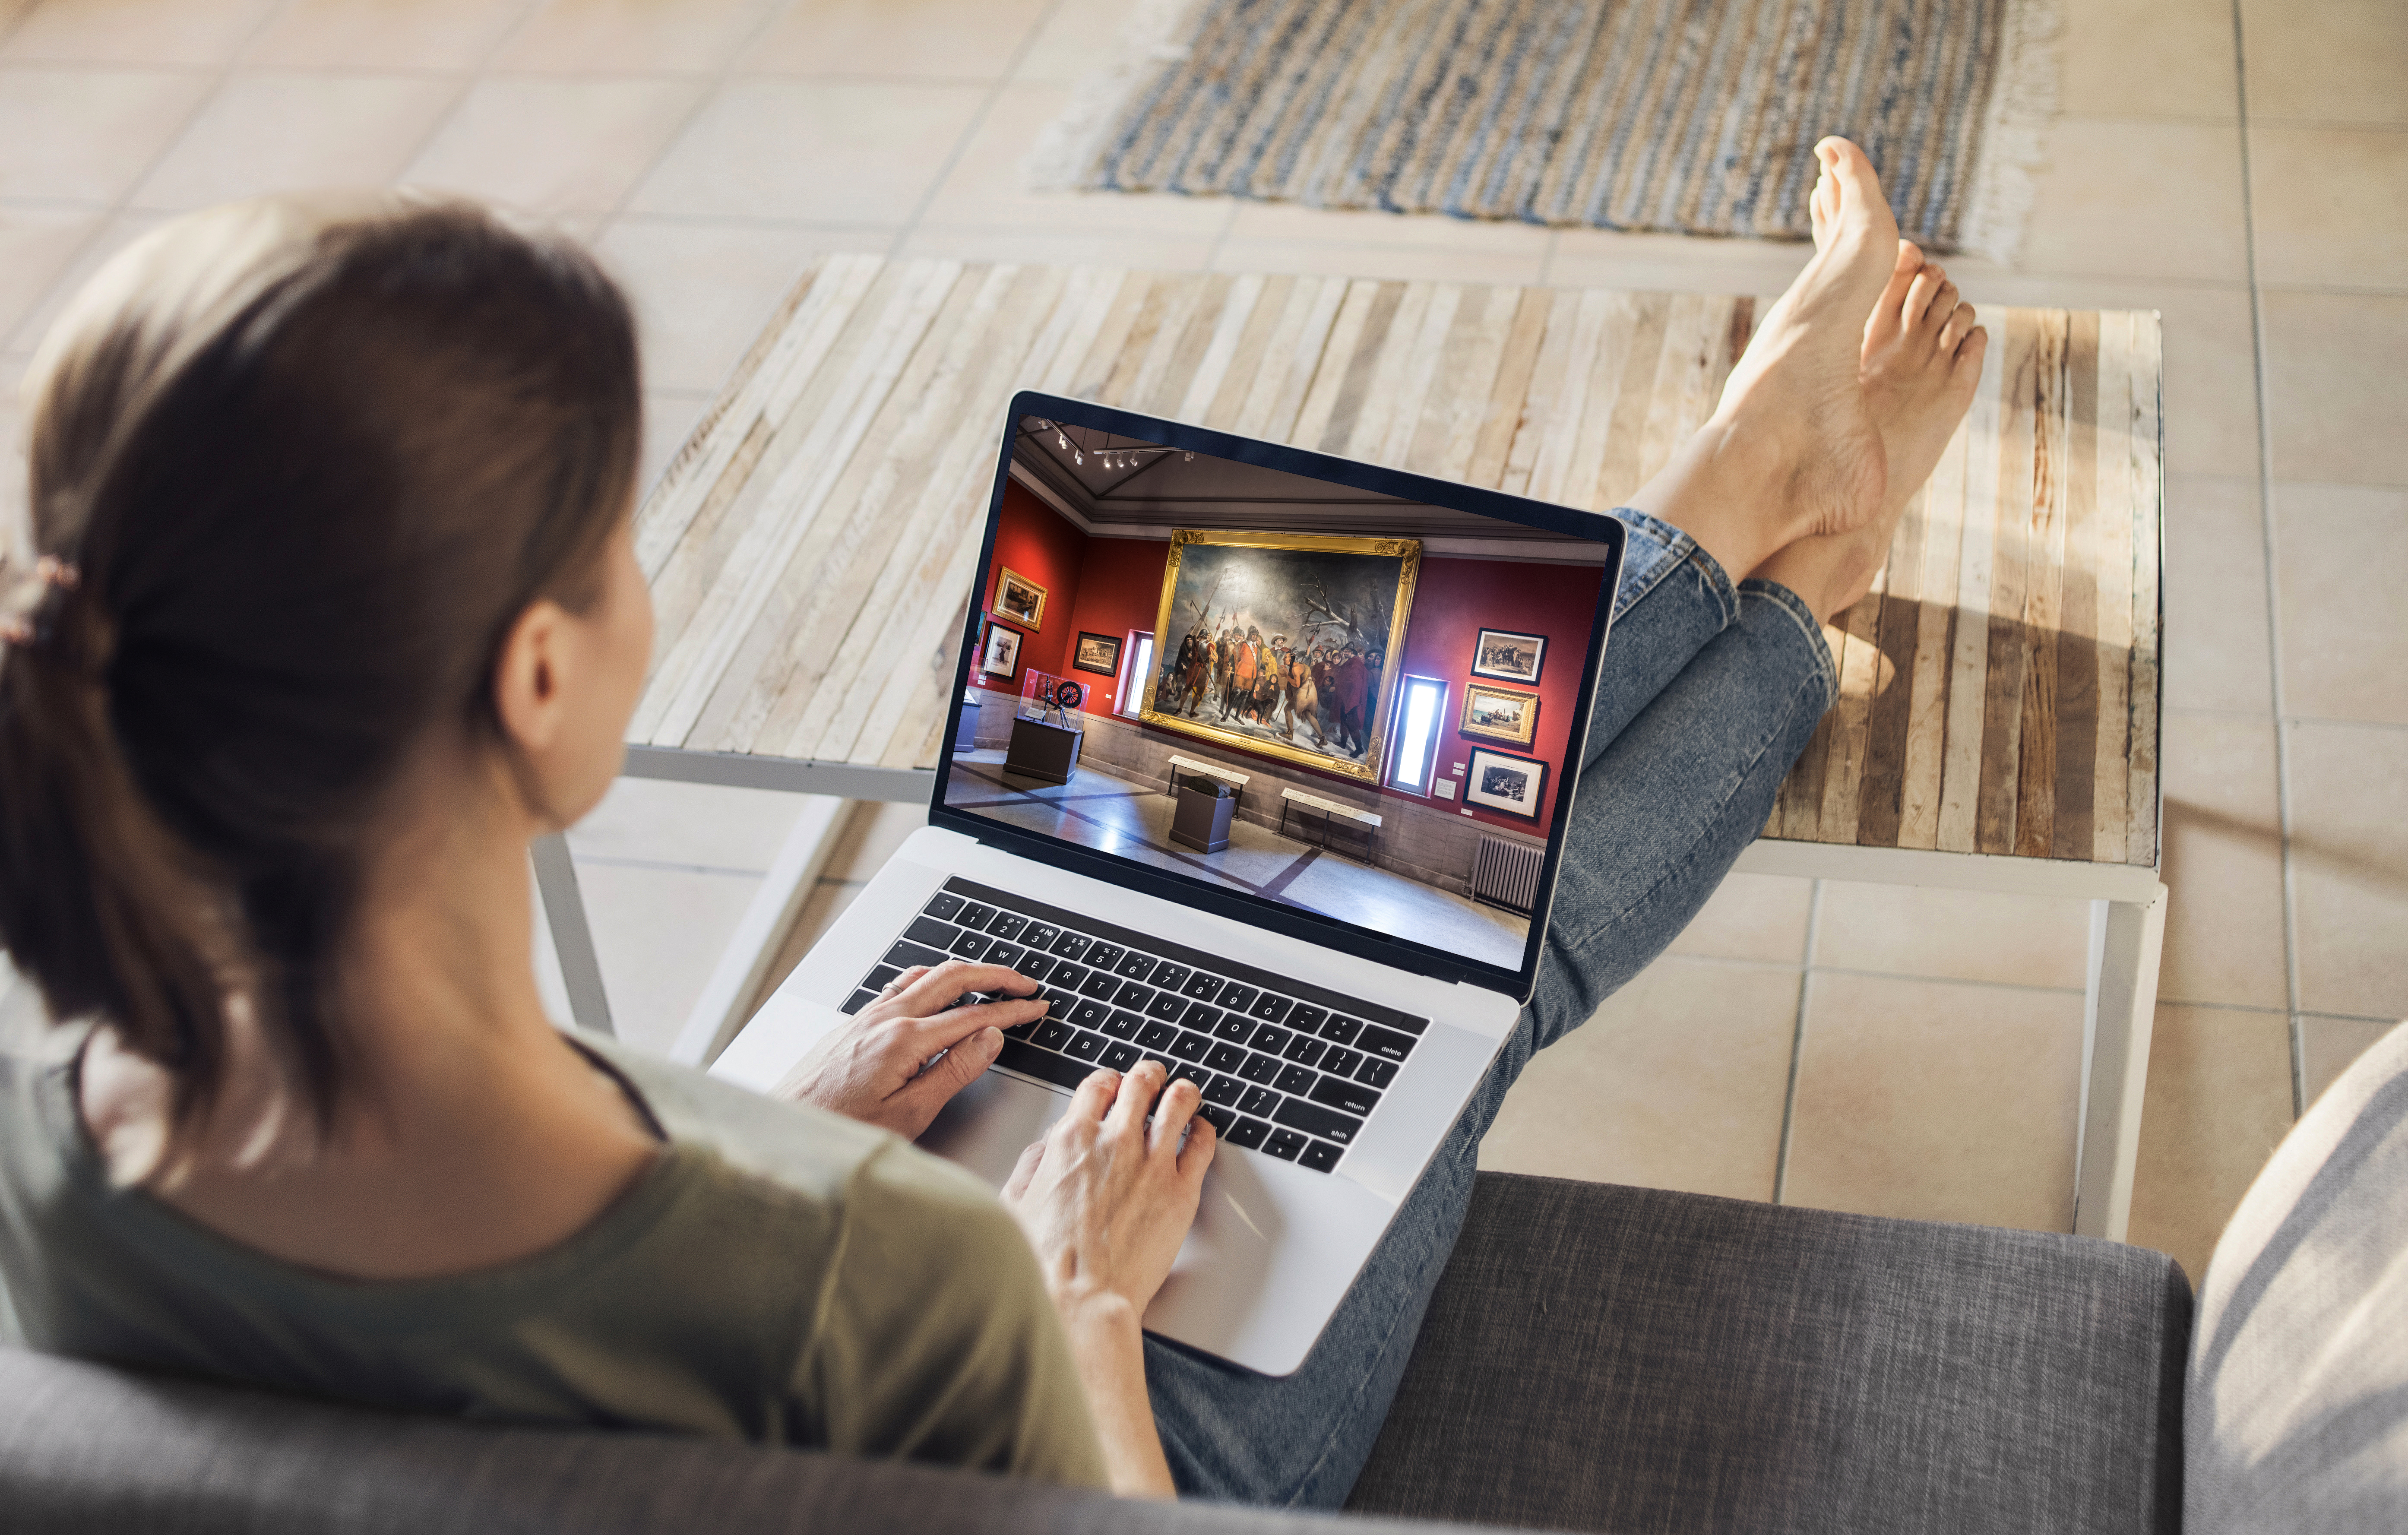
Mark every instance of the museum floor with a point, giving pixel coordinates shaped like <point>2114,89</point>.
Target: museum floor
<point>1133,820</point>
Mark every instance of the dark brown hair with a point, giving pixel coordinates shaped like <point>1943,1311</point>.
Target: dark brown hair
<point>310,465</point>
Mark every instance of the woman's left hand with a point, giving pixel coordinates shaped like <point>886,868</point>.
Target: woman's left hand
<point>881,1066</point>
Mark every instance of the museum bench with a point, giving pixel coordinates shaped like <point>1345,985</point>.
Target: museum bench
<point>812,548</point>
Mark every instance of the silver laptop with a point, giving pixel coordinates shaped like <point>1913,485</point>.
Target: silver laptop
<point>1260,764</point>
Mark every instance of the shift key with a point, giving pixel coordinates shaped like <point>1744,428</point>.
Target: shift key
<point>1297,1114</point>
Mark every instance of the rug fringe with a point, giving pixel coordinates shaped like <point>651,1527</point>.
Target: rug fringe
<point>1152,39</point>
<point>2014,138</point>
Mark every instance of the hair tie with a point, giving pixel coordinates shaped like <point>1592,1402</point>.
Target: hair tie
<point>20,606</point>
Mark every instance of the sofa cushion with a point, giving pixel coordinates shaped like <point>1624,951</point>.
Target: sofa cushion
<point>1611,1359</point>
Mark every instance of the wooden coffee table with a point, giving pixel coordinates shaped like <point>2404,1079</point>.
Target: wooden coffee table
<point>812,548</point>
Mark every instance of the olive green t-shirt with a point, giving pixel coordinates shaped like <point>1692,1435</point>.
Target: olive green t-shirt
<point>779,1275</point>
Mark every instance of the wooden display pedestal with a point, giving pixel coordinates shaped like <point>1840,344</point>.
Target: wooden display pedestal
<point>1047,753</point>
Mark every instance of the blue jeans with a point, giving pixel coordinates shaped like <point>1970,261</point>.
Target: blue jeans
<point>1709,692</point>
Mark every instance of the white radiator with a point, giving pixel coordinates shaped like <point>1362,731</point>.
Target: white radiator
<point>1506,874</point>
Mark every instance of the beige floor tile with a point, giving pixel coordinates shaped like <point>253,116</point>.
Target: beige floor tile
<point>631,37</point>
<point>987,187</point>
<point>555,146</point>
<point>2127,198</point>
<point>186,32</point>
<point>919,39</point>
<point>2334,61</point>
<point>37,246</point>
<point>1751,916</point>
<point>2332,366</point>
<point>2344,642</point>
<point>827,152</point>
<point>1936,1100</point>
<point>2215,646</point>
<point>1397,262</point>
<point>1954,935</point>
<point>298,132</point>
<point>85,135</point>
<point>2187,45</point>
<point>2211,356</point>
<point>1079,38</point>
<point>2349,851</point>
<point>2328,202</point>
<point>2218,1101</point>
<point>383,33</point>
<point>659,933</point>
<point>688,825</point>
<point>2331,1046</point>
<point>114,234</point>
<point>1606,258</point>
<point>668,420</point>
<point>1149,252</point>
<point>1677,1082</point>
<point>2223,864</point>
<point>702,290</point>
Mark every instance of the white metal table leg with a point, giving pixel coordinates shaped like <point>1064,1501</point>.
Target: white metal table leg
<point>563,911</point>
<point>2126,940</point>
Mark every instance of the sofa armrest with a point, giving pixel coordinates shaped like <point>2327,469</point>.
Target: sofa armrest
<point>1598,1357</point>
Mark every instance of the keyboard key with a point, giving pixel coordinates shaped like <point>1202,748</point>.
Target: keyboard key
<point>1045,1065</point>
<point>1296,1079</point>
<point>1306,1017</point>
<point>1284,1144</point>
<point>1270,1008</point>
<point>1133,996</point>
<point>1105,955</point>
<point>1297,1114</point>
<point>1059,1002</point>
<point>1354,1097</point>
<point>1305,1051</point>
<point>1189,1071</point>
<point>1071,945</point>
<point>1100,984</point>
<point>1170,976</point>
<point>1168,1005</point>
<point>1201,1018</point>
<point>1134,967</point>
<point>1226,1057</point>
<point>1340,1029</point>
<point>1191,1047</point>
<point>879,977</point>
<point>1342,1060</point>
<point>943,907</point>
<point>1023,1031</point>
<point>1123,1025</point>
<point>1235,1027</point>
<point>1224,1090</point>
<point>1040,936</point>
<point>1084,1046</point>
<point>1006,927</point>
<point>1053,1033</point>
<point>906,953</point>
<point>936,935</point>
<point>1120,1057</point>
<point>975,916</point>
<point>859,1001</point>
<point>1201,986</point>
<point>972,946</point>
<point>1248,1133</point>
<point>1034,966</point>
<point>1378,1073</point>
<point>1220,1118</point>
<point>1168,1067</point>
<point>1237,994</point>
<point>1386,1043</point>
<point>1320,1156</point>
<point>1269,1037</point>
<point>1157,1036</point>
<point>1090,1014</point>
<point>1068,976</point>
<point>1415,1026</point>
<point>1260,1100</point>
<point>1260,1069</point>
<point>1004,953</point>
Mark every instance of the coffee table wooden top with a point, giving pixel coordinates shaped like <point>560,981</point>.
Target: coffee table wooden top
<point>812,546</point>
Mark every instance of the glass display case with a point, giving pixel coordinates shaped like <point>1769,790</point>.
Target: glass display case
<point>1050,699</point>
<point>1047,730</point>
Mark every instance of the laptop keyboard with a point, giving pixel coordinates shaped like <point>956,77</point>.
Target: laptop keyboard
<point>1286,1068</point>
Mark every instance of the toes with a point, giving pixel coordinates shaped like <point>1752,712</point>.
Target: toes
<point>1910,261</point>
<point>1927,285</point>
<point>1960,321</point>
<point>1969,351</point>
<point>1858,186</point>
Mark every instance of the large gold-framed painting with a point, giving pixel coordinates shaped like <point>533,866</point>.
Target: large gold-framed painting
<point>1284,643</point>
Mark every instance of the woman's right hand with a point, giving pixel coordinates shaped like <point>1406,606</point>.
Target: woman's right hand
<point>1107,1200</point>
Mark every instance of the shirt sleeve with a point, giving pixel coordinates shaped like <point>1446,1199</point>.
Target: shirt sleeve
<point>936,1339</point>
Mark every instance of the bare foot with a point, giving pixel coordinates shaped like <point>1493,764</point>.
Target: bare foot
<point>1792,451</point>
<point>1921,362</point>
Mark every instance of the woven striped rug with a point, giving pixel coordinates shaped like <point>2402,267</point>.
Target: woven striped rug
<point>1697,116</point>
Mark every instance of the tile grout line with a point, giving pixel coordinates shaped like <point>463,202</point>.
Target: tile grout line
<point>1797,1043</point>
<point>2273,598</point>
<point>970,131</point>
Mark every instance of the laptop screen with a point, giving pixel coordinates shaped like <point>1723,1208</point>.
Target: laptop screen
<point>1337,698</point>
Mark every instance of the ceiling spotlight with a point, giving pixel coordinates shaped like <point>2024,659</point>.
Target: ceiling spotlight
<point>1061,441</point>
<point>1191,458</point>
<point>1081,457</point>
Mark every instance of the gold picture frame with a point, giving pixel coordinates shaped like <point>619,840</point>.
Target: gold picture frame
<point>1018,599</point>
<point>1499,713</point>
<point>1324,607</point>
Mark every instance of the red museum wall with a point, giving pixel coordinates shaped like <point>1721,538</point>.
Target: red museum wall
<point>1111,586</point>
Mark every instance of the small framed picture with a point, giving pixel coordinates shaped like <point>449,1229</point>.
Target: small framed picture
<point>1000,652</point>
<point>1098,652</point>
<point>1499,782</point>
<point>1507,656</point>
<point>1495,713</point>
<point>1019,599</point>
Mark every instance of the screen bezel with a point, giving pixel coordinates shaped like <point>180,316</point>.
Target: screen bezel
<point>1294,921</point>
